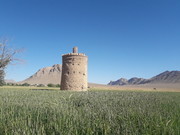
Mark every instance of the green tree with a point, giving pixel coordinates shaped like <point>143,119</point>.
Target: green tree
<point>51,85</point>
<point>25,84</point>
<point>57,85</point>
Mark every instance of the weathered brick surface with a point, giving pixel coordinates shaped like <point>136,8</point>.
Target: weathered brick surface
<point>74,72</point>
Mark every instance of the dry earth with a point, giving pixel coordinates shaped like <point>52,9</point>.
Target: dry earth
<point>145,87</point>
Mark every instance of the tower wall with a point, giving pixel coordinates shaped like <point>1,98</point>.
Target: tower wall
<point>74,72</point>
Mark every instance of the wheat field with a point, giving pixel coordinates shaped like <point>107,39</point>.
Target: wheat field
<point>24,111</point>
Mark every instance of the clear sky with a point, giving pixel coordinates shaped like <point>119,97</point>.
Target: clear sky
<point>122,38</point>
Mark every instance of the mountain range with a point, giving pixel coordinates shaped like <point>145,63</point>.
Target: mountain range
<point>171,77</point>
<point>52,75</point>
<point>45,76</point>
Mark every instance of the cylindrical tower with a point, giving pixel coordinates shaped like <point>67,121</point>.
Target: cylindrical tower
<point>74,71</point>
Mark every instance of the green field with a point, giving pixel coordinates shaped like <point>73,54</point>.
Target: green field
<point>54,112</point>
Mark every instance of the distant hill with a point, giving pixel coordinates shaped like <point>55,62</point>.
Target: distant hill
<point>167,77</point>
<point>10,81</point>
<point>53,75</point>
<point>45,76</point>
<point>48,75</point>
<point>170,77</point>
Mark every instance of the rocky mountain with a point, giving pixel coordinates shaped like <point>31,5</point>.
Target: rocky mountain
<point>45,76</point>
<point>9,81</point>
<point>132,81</point>
<point>165,77</point>
<point>53,75</point>
<point>121,81</point>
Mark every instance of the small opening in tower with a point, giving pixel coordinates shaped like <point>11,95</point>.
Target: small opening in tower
<point>84,74</point>
<point>68,72</point>
<point>73,71</point>
<point>79,72</point>
<point>73,64</point>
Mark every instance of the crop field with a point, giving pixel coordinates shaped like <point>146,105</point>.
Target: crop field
<point>54,112</point>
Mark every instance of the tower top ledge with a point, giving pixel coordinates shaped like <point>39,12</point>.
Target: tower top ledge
<point>75,52</point>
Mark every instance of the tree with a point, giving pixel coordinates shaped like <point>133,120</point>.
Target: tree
<point>25,84</point>
<point>57,85</point>
<point>51,85</point>
<point>6,57</point>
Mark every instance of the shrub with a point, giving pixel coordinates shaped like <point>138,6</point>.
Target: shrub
<point>40,85</point>
<point>25,84</point>
<point>51,85</point>
<point>57,85</point>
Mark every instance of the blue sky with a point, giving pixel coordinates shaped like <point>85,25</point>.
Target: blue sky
<point>122,38</point>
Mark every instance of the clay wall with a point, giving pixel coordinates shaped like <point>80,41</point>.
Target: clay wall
<point>74,72</point>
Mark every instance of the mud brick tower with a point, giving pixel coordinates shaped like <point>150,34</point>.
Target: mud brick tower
<point>74,71</point>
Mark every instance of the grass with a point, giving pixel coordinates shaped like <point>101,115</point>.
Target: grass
<point>54,112</point>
